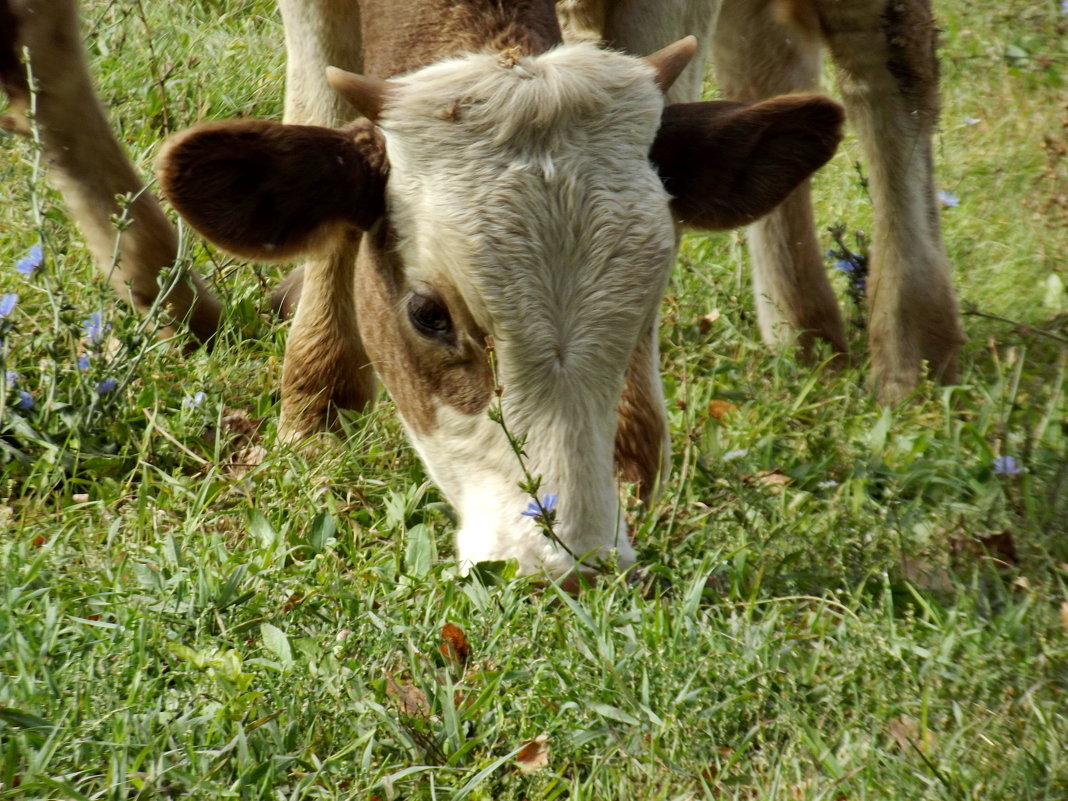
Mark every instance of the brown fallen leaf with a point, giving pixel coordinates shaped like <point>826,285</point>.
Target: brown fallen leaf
<point>411,700</point>
<point>774,480</point>
<point>906,734</point>
<point>238,423</point>
<point>244,460</point>
<point>718,409</point>
<point>1064,615</point>
<point>704,325</point>
<point>454,644</point>
<point>999,547</point>
<point>534,754</point>
<point>926,575</point>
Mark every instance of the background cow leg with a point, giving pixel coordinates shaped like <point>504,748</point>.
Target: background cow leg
<point>326,366</point>
<point>319,34</point>
<point>758,55</point>
<point>325,363</point>
<point>888,70</point>
<point>641,27</point>
<point>87,165</point>
<point>642,445</point>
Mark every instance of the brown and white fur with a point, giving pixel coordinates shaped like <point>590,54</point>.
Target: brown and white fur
<point>507,190</point>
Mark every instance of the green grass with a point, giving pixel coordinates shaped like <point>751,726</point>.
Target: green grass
<point>843,601</point>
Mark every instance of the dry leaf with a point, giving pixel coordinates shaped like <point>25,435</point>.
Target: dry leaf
<point>454,644</point>
<point>236,429</point>
<point>238,423</point>
<point>534,754</point>
<point>773,478</point>
<point>411,700</point>
<point>906,733</point>
<point>704,325</point>
<point>718,409</point>
<point>999,548</point>
<point>246,459</point>
<point>1064,615</point>
<point>926,576</point>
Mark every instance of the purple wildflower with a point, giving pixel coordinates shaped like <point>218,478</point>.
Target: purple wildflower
<point>194,400</point>
<point>25,400</point>
<point>844,265</point>
<point>94,327</point>
<point>1006,466</point>
<point>27,264</point>
<point>948,199</point>
<point>7,304</point>
<point>106,386</point>
<point>11,377</point>
<point>539,510</point>
<point>82,362</point>
<point>970,120</point>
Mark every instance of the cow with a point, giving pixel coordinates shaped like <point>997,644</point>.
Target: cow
<point>487,197</point>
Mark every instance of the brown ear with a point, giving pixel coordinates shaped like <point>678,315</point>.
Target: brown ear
<point>268,191</point>
<point>726,164</point>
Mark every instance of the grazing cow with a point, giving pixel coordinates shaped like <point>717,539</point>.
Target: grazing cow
<point>503,187</point>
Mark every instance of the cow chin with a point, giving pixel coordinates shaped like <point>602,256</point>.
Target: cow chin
<point>470,459</point>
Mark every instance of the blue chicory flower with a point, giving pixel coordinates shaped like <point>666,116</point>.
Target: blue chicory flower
<point>106,386</point>
<point>1006,466</point>
<point>27,264</point>
<point>82,362</point>
<point>949,200</point>
<point>94,327</point>
<point>25,400</point>
<point>844,265</point>
<point>548,503</point>
<point>7,304</point>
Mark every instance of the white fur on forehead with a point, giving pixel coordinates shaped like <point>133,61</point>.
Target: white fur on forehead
<point>506,97</point>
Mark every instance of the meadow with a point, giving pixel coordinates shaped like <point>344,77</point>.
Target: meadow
<point>840,600</point>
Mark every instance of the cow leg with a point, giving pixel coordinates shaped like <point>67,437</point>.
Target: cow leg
<point>642,445</point>
<point>885,54</point>
<point>758,55</point>
<point>319,34</point>
<point>87,164</point>
<point>642,27</point>
<point>326,365</point>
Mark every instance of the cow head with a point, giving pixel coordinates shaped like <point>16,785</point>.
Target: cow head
<point>530,202</point>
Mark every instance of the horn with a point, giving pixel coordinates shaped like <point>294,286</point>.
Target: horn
<point>366,94</point>
<point>670,61</point>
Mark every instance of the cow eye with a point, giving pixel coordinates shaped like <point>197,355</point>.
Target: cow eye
<point>429,316</point>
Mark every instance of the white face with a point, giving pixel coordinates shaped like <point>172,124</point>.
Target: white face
<point>524,209</point>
